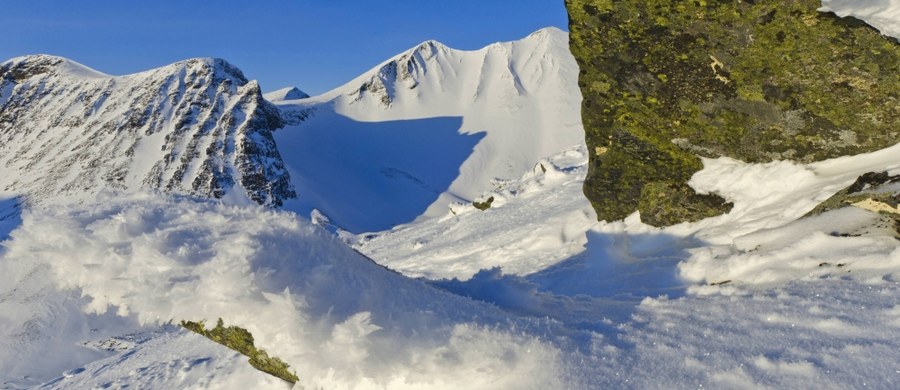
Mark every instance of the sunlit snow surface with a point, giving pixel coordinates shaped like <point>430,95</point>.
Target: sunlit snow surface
<point>77,274</point>
<point>753,299</point>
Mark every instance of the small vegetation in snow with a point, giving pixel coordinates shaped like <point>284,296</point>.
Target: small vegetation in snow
<point>239,339</point>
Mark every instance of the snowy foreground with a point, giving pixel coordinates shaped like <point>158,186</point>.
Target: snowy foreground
<point>87,290</point>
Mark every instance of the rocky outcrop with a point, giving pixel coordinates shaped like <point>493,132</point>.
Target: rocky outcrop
<point>877,192</point>
<point>399,73</point>
<point>197,127</point>
<point>665,83</point>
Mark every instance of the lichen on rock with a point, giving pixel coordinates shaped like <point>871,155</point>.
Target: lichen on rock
<point>666,82</point>
<point>240,340</point>
<point>878,192</point>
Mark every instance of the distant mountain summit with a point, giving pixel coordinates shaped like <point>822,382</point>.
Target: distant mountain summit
<point>196,127</point>
<point>432,126</point>
<point>289,93</point>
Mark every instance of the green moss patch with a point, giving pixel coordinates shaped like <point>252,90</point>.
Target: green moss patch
<point>239,339</point>
<point>483,205</point>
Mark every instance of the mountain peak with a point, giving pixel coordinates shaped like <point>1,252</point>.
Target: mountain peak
<point>287,93</point>
<point>430,46</point>
<point>25,67</point>
<point>549,36</point>
<point>215,65</point>
<point>549,31</point>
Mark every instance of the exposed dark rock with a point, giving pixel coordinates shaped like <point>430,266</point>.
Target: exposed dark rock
<point>483,205</point>
<point>877,192</point>
<point>666,82</point>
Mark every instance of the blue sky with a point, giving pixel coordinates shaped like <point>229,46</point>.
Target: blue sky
<point>313,44</point>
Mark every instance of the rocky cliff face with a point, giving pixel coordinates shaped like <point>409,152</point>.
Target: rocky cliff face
<point>197,127</point>
<point>665,83</point>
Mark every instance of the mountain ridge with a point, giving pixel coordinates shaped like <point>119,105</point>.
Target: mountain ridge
<point>199,127</point>
<point>195,127</point>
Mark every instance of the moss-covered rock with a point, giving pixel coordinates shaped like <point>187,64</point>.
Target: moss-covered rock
<point>483,205</point>
<point>878,192</point>
<point>665,82</point>
<point>240,340</point>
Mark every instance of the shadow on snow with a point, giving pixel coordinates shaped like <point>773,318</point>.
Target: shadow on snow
<point>371,176</point>
<point>10,216</point>
<point>593,291</point>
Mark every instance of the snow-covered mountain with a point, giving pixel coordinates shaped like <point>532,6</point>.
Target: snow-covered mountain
<point>432,126</point>
<point>195,127</point>
<point>427,128</point>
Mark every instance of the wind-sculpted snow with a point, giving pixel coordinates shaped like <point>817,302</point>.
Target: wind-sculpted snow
<point>339,319</point>
<point>195,127</point>
<point>519,100</point>
<point>167,358</point>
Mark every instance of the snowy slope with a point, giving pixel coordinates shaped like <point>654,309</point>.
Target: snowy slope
<point>74,274</point>
<point>534,222</point>
<point>635,307</point>
<point>432,126</point>
<point>167,358</point>
<point>195,127</point>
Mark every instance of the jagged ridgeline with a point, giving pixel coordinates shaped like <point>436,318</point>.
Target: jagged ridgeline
<point>666,82</point>
<point>196,127</point>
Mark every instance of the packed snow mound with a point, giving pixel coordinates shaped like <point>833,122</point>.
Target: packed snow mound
<point>289,93</point>
<point>430,127</point>
<point>195,127</point>
<point>340,320</point>
<point>881,14</point>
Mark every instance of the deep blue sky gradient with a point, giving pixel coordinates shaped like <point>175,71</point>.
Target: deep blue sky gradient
<point>313,44</point>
